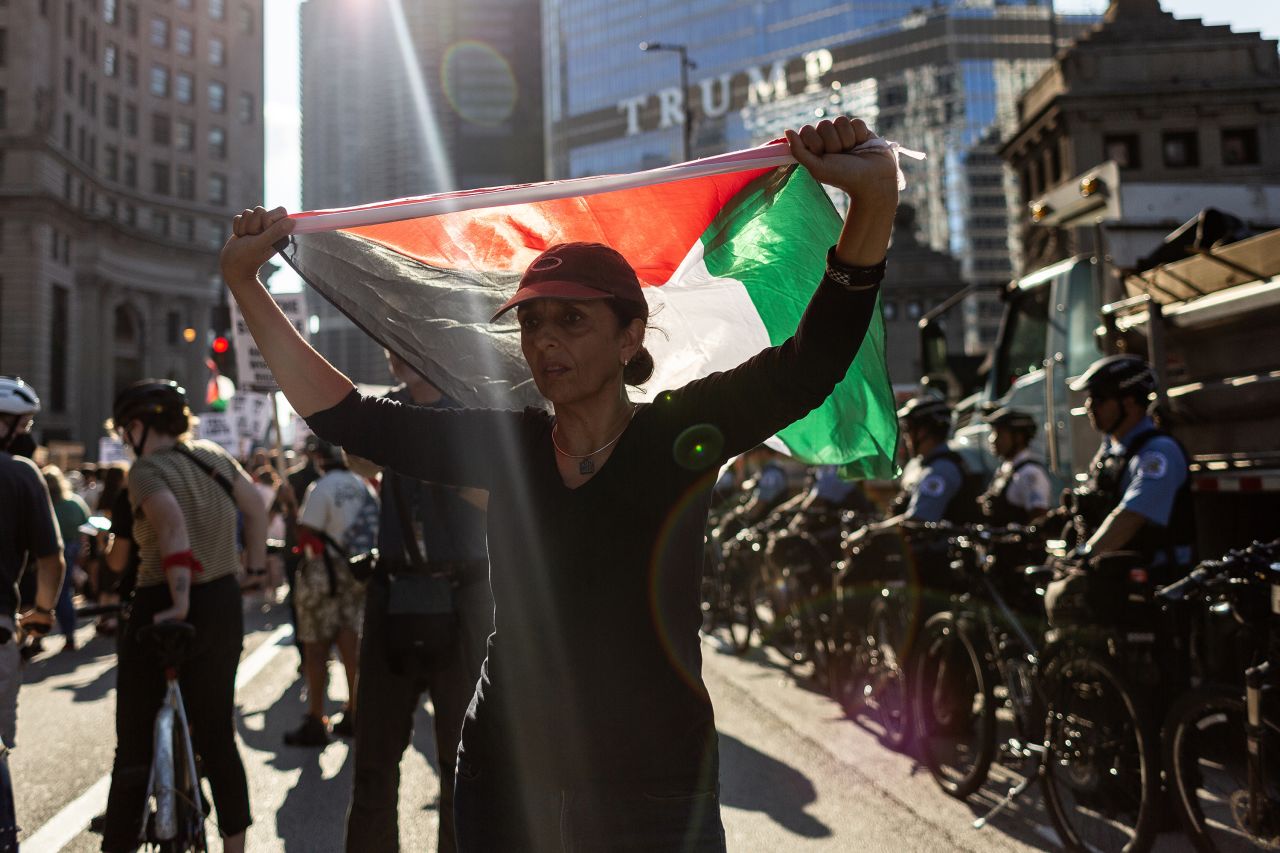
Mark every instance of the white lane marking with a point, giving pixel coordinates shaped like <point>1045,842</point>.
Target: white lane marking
<point>74,818</point>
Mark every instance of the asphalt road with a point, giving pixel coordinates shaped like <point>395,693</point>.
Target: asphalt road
<point>795,774</point>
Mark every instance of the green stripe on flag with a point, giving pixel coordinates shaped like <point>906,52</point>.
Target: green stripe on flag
<point>774,238</point>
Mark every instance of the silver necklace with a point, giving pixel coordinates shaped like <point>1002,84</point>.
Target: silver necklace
<point>585,464</point>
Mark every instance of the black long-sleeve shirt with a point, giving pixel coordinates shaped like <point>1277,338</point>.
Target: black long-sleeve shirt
<point>593,676</point>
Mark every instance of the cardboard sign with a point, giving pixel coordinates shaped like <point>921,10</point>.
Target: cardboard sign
<point>220,428</point>
<point>251,367</point>
<point>252,413</point>
<point>112,450</point>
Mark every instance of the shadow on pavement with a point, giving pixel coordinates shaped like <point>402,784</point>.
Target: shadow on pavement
<point>751,780</point>
<point>316,806</point>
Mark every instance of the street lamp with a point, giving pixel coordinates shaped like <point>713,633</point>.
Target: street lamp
<point>686,65</point>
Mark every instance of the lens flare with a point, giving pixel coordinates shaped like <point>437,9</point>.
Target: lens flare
<point>478,82</point>
<point>698,447</point>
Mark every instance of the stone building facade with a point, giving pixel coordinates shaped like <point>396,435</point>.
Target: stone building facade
<point>1168,100</point>
<point>129,132</point>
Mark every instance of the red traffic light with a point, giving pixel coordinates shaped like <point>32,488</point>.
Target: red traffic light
<point>221,345</point>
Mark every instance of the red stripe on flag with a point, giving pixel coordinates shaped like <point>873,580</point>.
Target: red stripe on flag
<point>652,226</point>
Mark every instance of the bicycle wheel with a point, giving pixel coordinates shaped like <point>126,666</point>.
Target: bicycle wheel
<point>1101,775</point>
<point>953,707</point>
<point>740,616</point>
<point>888,678</point>
<point>1207,765</point>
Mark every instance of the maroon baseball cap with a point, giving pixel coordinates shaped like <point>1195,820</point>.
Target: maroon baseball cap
<point>576,271</point>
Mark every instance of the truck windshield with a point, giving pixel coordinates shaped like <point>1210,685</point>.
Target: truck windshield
<point>1022,344</point>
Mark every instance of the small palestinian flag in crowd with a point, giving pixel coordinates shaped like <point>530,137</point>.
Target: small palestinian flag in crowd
<point>729,250</point>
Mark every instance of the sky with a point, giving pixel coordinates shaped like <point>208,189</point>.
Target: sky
<point>283,115</point>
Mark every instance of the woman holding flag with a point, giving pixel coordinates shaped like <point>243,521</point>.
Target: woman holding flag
<point>591,727</point>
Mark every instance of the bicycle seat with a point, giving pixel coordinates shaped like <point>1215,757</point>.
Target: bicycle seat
<point>171,641</point>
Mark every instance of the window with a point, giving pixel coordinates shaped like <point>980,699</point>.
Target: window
<point>1240,146</point>
<point>131,69</point>
<point>68,76</point>
<point>160,173</point>
<point>186,183</point>
<point>131,119</point>
<point>130,170</point>
<point>246,109</point>
<point>1027,324</point>
<point>172,328</point>
<point>59,335</point>
<point>1124,149</point>
<point>217,97</point>
<point>183,135</point>
<point>217,52</point>
<point>1181,149</point>
<point>160,129</point>
<point>160,222</point>
<point>184,87</point>
<point>111,111</point>
<point>93,151</point>
<point>130,215</point>
<point>109,11</point>
<point>93,98</point>
<point>186,229</point>
<point>217,189</point>
<point>159,81</point>
<point>217,9</point>
<point>159,32</point>
<point>890,310</point>
<point>69,16</point>
<point>66,131</point>
<point>4,109</point>
<point>111,158</point>
<point>4,46</point>
<point>246,20</point>
<point>184,4</point>
<point>914,309</point>
<point>183,40</point>
<point>131,18</point>
<point>217,143</point>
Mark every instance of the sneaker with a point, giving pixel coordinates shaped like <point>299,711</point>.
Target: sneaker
<point>312,732</point>
<point>98,823</point>
<point>345,725</point>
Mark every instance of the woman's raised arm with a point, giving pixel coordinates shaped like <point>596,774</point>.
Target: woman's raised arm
<point>310,382</point>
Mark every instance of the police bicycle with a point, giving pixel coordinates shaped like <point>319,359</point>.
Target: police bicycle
<point>1068,707</point>
<point>1222,741</point>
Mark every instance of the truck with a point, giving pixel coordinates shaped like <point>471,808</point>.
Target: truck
<point>1205,314</point>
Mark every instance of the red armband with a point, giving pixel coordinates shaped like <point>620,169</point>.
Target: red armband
<point>309,542</point>
<point>181,558</point>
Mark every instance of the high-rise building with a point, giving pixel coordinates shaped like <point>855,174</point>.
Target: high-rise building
<point>403,99</point>
<point>943,79</point>
<point>130,130</point>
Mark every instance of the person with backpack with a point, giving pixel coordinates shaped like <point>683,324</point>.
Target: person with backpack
<point>187,498</point>
<point>338,521</point>
<point>1020,490</point>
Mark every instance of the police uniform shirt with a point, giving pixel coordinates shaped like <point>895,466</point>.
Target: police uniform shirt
<point>1029,487</point>
<point>1151,480</point>
<point>831,487</point>
<point>932,483</point>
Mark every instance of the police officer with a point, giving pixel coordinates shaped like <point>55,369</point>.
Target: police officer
<point>933,480</point>
<point>1138,495</point>
<point>1020,490</point>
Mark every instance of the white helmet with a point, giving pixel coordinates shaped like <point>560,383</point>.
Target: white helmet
<point>17,397</point>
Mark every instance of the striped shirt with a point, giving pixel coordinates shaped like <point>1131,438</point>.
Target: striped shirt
<point>210,514</point>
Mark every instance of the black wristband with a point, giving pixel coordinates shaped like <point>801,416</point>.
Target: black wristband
<point>854,278</point>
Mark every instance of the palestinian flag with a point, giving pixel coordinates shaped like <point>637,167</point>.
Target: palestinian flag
<point>729,250</point>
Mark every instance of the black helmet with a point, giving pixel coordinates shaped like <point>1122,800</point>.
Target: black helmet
<point>1118,376</point>
<point>147,401</point>
<point>1014,420</point>
<point>931,410</point>
<point>329,455</point>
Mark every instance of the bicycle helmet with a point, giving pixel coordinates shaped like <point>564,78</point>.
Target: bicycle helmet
<point>148,401</point>
<point>329,455</point>
<point>926,410</point>
<point>1115,376</point>
<point>1014,420</point>
<point>17,397</point>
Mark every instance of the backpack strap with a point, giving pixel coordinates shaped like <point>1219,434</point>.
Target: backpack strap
<point>217,476</point>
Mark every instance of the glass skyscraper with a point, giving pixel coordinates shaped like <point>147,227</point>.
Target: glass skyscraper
<point>943,79</point>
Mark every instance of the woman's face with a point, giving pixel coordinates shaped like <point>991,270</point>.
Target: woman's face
<point>575,349</point>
